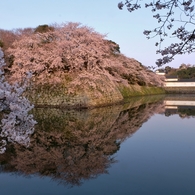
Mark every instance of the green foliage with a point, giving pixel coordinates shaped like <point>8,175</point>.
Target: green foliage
<point>171,72</point>
<point>130,78</point>
<point>115,48</point>
<point>167,69</point>
<point>186,111</point>
<point>110,70</point>
<point>43,28</point>
<point>183,66</point>
<point>161,70</point>
<point>134,79</point>
<point>188,73</point>
<point>183,72</point>
<point>1,43</point>
<point>9,62</point>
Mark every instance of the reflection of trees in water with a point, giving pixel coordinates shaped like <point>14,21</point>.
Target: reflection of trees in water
<point>182,111</point>
<point>72,146</point>
<point>186,111</point>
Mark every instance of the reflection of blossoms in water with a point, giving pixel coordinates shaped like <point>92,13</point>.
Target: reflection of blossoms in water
<point>16,123</point>
<point>73,146</point>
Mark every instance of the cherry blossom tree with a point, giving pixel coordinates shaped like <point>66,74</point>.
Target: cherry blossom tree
<point>7,37</point>
<point>176,19</point>
<point>16,122</point>
<point>68,47</point>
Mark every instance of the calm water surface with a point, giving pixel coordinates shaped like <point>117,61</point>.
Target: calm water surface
<point>144,147</point>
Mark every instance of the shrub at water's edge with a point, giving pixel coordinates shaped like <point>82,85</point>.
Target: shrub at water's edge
<point>74,66</point>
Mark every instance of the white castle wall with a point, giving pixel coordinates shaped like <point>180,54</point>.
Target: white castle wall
<point>179,84</point>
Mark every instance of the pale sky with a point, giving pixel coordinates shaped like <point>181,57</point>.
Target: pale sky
<point>123,27</point>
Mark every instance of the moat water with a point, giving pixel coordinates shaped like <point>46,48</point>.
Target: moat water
<point>143,147</point>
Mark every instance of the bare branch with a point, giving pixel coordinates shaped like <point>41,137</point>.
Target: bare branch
<point>170,24</point>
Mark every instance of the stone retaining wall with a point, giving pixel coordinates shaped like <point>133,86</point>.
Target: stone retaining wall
<point>187,90</point>
<point>59,97</point>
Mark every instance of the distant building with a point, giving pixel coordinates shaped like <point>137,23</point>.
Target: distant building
<point>175,82</point>
<point>171,78</point>
<point>160,72</point>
